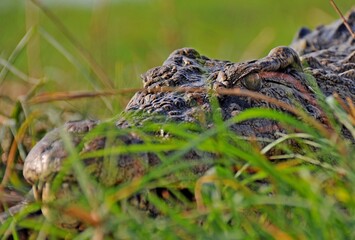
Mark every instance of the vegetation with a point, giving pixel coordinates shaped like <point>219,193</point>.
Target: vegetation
<point>252,192</point>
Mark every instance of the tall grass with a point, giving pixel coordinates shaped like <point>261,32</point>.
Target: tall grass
<point>271,190</point>
<point>301,193</point>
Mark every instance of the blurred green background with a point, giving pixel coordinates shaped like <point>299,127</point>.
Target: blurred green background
<point>127,37</point>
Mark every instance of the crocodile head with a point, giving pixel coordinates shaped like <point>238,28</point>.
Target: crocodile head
<point>279,75</point>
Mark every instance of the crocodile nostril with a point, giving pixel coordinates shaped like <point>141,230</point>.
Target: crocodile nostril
<point>252,82</point>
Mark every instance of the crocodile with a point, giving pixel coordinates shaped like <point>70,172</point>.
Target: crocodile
<point>183,90</point>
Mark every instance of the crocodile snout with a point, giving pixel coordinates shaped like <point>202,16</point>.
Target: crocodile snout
<point>44,159</point>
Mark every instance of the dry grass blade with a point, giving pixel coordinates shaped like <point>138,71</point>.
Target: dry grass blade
<point>343,18</point>
<point>11,160</point>
<point>276,232</point>
<point>351,109</point>
<point>82,214</point>
<point>60,96</point>
<point>342,103</point>
<point>13,149</point>
<point>327,132</point>
<point>66,96</point>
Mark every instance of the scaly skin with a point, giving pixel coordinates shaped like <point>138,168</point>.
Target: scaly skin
<point>327,52</point>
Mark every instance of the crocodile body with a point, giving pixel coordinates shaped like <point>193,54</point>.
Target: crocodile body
<point>327,53</point>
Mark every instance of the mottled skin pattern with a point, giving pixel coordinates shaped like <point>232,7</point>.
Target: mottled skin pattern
<point>328,53</point>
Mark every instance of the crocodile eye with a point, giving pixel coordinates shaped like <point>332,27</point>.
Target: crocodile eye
<point>252,82</point>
